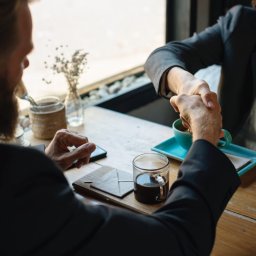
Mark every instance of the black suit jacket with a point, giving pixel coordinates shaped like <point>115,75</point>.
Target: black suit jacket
<point>230,43</point>
<point>40,214</point>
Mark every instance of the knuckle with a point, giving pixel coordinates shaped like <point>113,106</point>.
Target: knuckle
<point>203,85</point>
<point>213,95</point>
<point>181,98</point>
<point>61,132</point>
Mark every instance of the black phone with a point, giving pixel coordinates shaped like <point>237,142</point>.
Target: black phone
<point>98,153</point>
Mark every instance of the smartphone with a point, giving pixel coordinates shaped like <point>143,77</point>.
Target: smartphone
<point>98,153</point>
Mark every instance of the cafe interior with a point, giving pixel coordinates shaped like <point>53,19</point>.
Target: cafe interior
<point>119,109</point>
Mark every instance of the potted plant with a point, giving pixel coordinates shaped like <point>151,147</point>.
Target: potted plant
<point>71,68</point>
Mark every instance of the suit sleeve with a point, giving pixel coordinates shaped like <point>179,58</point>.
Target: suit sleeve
<point>206,182</point>
<point>186,224</point>
<point>199,51</point>
<point>47,219</point>
<point>43,213</point>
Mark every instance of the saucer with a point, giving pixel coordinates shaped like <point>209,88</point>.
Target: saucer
<point>172,149</point>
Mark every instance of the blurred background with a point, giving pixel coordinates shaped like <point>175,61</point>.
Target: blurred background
<point>118,35</point>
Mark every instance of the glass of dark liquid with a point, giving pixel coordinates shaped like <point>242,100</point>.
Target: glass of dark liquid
<point>151,177</point>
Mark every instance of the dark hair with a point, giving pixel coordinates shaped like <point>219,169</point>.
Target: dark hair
<point>8,25</point>
<point>230,3</point>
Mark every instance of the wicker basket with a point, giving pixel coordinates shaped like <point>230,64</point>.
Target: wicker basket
<point>47,118</point>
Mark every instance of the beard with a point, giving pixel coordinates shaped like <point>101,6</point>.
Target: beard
<point>8,110</point>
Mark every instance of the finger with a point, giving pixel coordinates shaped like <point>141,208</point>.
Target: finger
<point>82,162</point>
<point>214,99</point>
<point>84,151</point>
<point>78,157</point>
<point>173,103</point>
<point>208,101</point>
<point>211,101</point>
<point>76,139</point>
<point>185,123</point>
<point>71,138</point>
<point>206,94</point>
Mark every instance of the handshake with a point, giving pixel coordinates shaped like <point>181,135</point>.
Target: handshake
<point>200,121</point>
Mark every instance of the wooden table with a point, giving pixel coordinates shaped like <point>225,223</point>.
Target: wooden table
<point>124,137</point>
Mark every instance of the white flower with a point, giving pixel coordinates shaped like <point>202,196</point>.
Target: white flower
<point>72,68</point>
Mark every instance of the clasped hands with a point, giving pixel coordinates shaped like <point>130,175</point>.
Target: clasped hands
<point>200,113</point>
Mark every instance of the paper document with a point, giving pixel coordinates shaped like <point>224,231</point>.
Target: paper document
<point>238,161</point>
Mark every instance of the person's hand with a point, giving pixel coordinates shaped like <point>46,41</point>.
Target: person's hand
<point>203,122</point>
<point>201,88</point>
<point>181,81</point>
<point>59,152</point>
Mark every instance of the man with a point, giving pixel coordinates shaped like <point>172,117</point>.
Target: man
<point>230,43</point>
<point>15,44</point>
<point>41,216</point>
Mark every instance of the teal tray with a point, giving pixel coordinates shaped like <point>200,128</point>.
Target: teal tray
<point>171,149</point>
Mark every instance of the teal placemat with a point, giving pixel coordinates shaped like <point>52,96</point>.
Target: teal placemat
<point>171,149</point>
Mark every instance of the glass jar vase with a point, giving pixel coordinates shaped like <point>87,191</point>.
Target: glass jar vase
<point>74,108</point>
<point>47,117</point>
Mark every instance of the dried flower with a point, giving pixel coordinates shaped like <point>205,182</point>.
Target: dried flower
<point>72,68</point>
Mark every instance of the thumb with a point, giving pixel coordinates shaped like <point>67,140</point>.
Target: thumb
<point>221,134</point>
<point>207,97</point>
<point>207,100</point>
<point>83,151</point>
<point>173,103</point>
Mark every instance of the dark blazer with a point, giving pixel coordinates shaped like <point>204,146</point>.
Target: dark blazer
<point>40,214</point>
<point>230,43</point>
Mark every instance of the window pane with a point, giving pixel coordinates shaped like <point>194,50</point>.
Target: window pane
<point>117,34</point>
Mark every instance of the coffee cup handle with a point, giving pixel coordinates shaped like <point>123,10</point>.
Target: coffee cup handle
<point>161,183</point>
<point>227,139</point>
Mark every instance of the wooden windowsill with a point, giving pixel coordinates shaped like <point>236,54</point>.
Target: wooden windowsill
<point>84,90</point>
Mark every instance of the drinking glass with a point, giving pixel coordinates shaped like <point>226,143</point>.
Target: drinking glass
<point>151,177</point>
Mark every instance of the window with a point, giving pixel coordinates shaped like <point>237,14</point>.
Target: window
<point>118,35</point>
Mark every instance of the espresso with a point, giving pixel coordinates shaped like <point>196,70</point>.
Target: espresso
<point>148,190</point>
